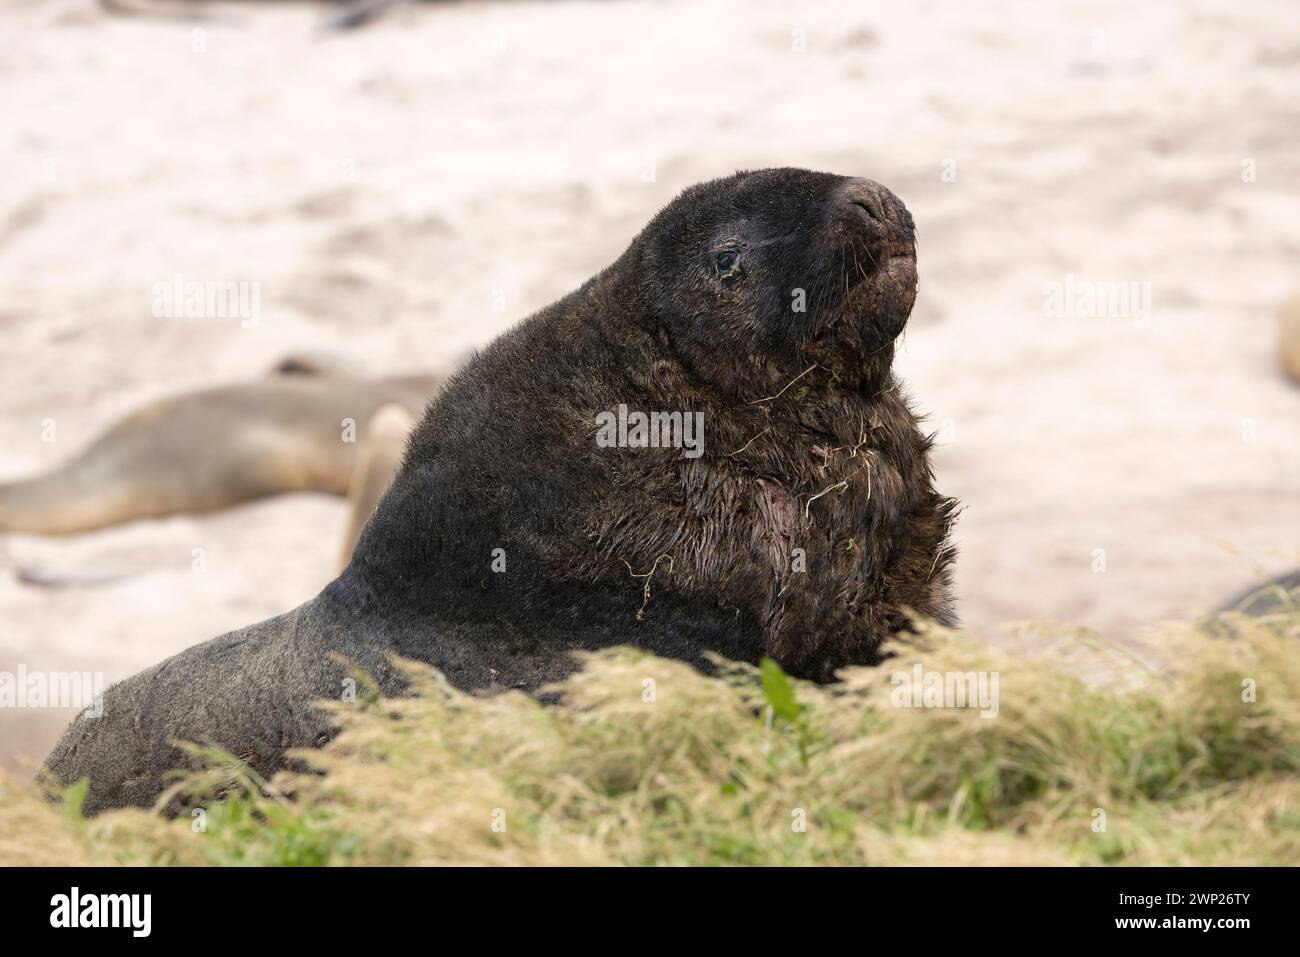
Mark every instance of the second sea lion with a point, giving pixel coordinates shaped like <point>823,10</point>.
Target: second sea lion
<point>297,430</point>
<point>1288,337</point>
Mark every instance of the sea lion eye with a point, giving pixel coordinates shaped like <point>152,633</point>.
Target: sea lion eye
<point>726,264</point>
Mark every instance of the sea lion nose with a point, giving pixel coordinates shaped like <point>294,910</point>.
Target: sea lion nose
<point>889,223</point>
<point>870,195</point>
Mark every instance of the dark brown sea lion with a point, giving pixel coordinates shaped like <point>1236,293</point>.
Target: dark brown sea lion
<point>298,430</point>
<point>804,527</point>
<point>1279,594</point>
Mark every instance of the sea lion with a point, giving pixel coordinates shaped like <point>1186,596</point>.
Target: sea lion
<point>378,460</point>
<point>804,527</point>
<point>1279,593</point>
<point>297,430</point>
<point>1288,337</point>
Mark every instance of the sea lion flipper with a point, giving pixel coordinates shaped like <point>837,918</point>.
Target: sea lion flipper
<point>378,459</point>
<point>251,693</point>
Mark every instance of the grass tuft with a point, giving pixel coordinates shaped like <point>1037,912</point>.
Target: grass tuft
<point>644,761</point>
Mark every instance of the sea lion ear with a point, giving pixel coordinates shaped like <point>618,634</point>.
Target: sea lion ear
<point>312,364</point>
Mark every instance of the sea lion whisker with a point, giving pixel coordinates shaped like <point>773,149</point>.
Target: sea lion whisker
<point>872,259</point>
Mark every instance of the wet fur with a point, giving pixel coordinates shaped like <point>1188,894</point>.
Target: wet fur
<point>810,444</point>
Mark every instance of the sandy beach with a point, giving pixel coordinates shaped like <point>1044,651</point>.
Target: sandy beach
<point>1107,199</point>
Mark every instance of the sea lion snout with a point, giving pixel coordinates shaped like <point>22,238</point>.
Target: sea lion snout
<point>880,286</point>
<point>889,224</point>
<point>869,195</point>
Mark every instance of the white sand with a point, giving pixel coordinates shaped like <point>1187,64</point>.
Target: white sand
<point>391,187</point>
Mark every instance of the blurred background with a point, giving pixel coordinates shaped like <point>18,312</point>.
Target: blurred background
<point>403,191</point>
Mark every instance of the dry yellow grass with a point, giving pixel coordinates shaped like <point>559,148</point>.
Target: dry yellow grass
<point>645,761</point>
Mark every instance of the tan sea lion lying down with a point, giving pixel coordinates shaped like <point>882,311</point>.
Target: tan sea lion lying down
<point>311,425</point>
<point>1288,337</point>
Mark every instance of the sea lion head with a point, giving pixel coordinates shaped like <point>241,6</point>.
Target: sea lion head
<point>779,269</point>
